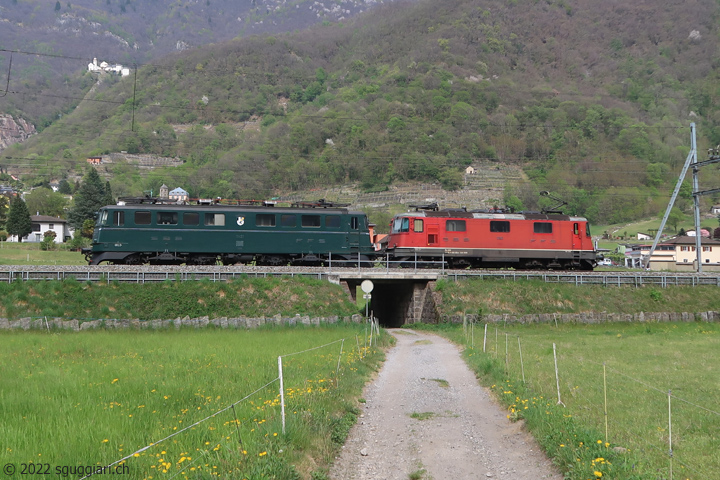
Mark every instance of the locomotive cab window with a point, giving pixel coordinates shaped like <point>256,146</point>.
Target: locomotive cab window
<point>167,218</point>
<point>312,221</point>
<point>332,222</point>
<point>216,219</point>
<point>542,227</point>
<point>265,220</point>
<point>288,220</point>
<point>576,228</point>
<point>587,230</point>
<point>455,226</point>
<point>191,218</point>
<point>354,223</point>
<point>499,226</point>
<point>418,225</point>
<point>118,219</point>
<point>401,225</point>
<point>143,218</point>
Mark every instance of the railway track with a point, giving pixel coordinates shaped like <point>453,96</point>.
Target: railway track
<point>151,274</point>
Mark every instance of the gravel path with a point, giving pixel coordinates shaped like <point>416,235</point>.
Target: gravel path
<point>465,435</point>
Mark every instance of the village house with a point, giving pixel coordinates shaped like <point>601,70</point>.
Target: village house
<point>43,223</point>
<point>117,69</point>
<point>178,195</point>
<point>679,254</point>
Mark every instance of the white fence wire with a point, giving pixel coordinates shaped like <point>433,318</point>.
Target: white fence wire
<point>667,430</point>
<point>374,327</point>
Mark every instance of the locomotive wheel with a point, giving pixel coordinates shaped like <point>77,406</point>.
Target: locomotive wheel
<point>459,263</point>
<point>202,260</point>
<point>134,259</point>
<point>273,261</point>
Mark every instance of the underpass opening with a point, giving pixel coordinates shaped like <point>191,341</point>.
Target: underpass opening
<point>391,302</point>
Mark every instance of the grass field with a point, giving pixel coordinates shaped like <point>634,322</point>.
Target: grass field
<point>660,381</point>
<point>12,253</point>
<point>94,398</point>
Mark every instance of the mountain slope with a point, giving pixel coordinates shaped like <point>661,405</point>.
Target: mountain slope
<point>592,99</point>
<point>68,35</point>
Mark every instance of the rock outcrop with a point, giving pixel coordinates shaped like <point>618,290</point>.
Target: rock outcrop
<point>14,130</point>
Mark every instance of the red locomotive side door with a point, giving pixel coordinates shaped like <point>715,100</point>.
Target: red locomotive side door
<point>576,241</point>
<point>432,234</point>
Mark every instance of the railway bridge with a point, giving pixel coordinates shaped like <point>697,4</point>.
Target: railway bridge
<point>399,297</point>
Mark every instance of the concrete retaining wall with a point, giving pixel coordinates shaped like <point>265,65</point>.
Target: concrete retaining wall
<point>590,317</point>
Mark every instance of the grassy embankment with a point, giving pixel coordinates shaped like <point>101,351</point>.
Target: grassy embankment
<point>248,297</point>
<point>528,297</point>
<point>634,366</point>
<point>93,398</point>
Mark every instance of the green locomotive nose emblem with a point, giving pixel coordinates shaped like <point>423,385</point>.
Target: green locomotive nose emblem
<point>241,221</point>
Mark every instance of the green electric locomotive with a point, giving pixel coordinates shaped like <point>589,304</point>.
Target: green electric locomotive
<point>210,234</point>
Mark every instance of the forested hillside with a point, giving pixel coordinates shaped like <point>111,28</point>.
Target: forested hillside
<point>592,99</point>
<point>67,36</point>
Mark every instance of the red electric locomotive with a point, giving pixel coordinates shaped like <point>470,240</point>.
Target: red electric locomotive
<point>493,239</point>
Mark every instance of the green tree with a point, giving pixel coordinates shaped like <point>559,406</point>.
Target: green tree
<point>513,203</point>
<point>57,6</point>
<point>4,204</point>
<point>18,221</point>
<point>64,187</point>
<point>108,198</point>
<point>450,178</point>
<point>44,201</point>
<point>675,217</point>
<point>88,228</point>
<point>89,198</point>
<point>48,242</point>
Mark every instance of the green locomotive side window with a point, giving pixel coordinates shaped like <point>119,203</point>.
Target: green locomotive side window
<point>354,223</point>
<point>455,226</point>
<point>167,218</point>
<point>191,218</point>
<point>118,219</point>
<point>312,221</point>
<point>499,226</point>
<point>288,220</point>
<point>542,227</point>
<point>143,218</point>
<point>332,222</point>
<point>216,219</point>
<point>265,220</point>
